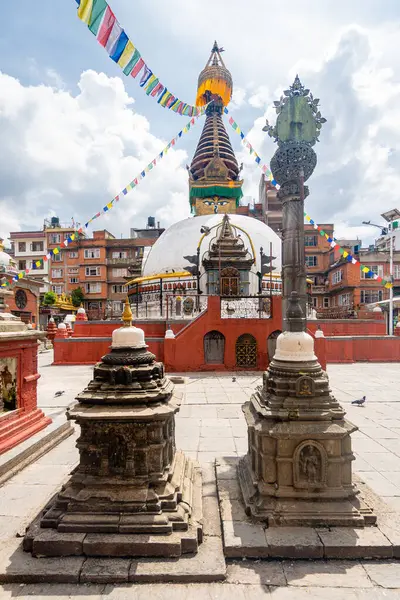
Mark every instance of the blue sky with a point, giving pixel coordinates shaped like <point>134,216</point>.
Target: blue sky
<point>73,138</point>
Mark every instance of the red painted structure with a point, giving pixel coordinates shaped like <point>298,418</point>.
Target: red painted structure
<point>346,340</point>
<point>20,424</point>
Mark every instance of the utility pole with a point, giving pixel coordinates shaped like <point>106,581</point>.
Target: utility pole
<point>390,216</point>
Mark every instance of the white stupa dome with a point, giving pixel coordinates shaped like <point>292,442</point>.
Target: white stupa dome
<point>128,337</point>
<point>182,239</point>
<point>7,263</point>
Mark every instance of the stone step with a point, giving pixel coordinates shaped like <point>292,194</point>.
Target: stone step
<point>21,425</point>
<point>29,450</point>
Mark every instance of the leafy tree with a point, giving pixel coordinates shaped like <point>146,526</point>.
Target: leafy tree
<point>77,296</point>
<point>49,298</point>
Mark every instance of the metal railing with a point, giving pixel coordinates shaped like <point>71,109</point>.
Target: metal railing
<point>247,307</point>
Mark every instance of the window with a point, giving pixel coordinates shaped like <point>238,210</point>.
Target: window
<point>92,271</point>
<point>314,301</point>
<point>21,265</point>
<point>37,247</point>
<point>73,254</point>
<point>58,289</point>
<point>73,270</point>
<point>56,273</point>
<point>337,277</point>
<point>310,240</point>
<point>57,257</point>
<point>326,302</point>
<point>331,258</point>
<point>21,246</point>
<point>120,272</point>
<point>117,307</point>
<point>93,288</point>
<point>370,296</point>
<point>74,279</point>
<point>396,271</point>
<point>376,270</point>
<point>55,238</point>
<point>344,300</point>
<point>92,253</point>
<point>119,254</point>
<point>311,261</point>
<point>119,289</point>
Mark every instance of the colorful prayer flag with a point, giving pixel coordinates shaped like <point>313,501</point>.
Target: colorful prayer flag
<point>137,68</point>
<point>133,61</point>
<point>145,76</point>
<point>85,10</point>
<point>106,27</point>
<point>113,38</point>
<point>119,47</point>
<point>97,16</point>
<point>126,55</point>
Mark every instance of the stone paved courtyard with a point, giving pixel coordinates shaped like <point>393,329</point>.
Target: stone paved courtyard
<point>209,425</point>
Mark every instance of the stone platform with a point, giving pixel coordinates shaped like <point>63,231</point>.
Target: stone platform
<point>245,537</point>
<point>207,565</point>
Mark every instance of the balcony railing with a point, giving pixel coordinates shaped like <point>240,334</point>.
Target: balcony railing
<point>249,307</point>
<point>318,289</point>
<point>123,261</point>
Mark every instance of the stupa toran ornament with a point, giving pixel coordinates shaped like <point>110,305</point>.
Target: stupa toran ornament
<point>132,493</point>
<point>298,467</point>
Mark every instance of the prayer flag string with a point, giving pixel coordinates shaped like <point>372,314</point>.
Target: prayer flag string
<point>102,22</point>
<point>264,168</point>
<point>74,236</point>
<point>347,255</point>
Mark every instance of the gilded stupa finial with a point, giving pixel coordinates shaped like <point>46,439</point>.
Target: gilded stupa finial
<point>127,314</point>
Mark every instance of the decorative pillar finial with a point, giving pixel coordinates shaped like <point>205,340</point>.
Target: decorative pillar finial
<point>127,314</point>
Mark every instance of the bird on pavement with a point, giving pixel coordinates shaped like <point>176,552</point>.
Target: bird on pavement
<point>233,378</point>
<point>359,402</point>
<point>59,393</point>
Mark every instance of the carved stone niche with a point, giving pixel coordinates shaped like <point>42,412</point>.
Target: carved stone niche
<point>309,466</point>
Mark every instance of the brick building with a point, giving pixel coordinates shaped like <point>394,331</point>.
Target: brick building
<point>27,248</point>
<point>100,266</point>
<point>339,287</point>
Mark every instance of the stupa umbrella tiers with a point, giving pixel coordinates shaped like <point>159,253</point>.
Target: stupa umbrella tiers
<point>215,80</point>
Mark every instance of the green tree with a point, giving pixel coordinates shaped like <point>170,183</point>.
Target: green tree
<point>77,296</point>
<point>49,298</point>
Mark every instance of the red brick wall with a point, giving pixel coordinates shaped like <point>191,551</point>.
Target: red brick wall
<point>362,348</point>
<point>348,326</point>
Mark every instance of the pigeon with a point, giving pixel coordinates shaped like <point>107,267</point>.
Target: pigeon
<point>60,393</point>
<point>233,378</point>
<point>359,402</point>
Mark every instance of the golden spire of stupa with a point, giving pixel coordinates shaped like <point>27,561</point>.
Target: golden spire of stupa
<point>127,314</point>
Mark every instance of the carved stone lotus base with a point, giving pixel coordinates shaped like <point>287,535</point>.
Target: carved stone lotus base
<point>298,467</point>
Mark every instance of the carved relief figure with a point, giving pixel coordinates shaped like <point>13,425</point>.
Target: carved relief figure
<point>305,386</point>
<point>310,464</point>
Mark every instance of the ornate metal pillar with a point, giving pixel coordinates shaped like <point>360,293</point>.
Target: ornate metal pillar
<point>298,467</point>
<point>296,131</point>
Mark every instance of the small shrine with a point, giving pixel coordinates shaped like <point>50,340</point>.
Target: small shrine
<point>228,263</point>
<point>19,416</point>
<point>133,493</point>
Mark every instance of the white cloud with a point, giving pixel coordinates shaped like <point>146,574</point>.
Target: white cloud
<point>69,155</point>
<point>358,170</point>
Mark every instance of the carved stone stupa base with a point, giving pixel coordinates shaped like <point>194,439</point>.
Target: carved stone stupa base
<point>132,494</point>
<point>298,467</point>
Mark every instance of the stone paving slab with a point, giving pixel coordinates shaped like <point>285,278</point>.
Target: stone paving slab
<point>248,538</point>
